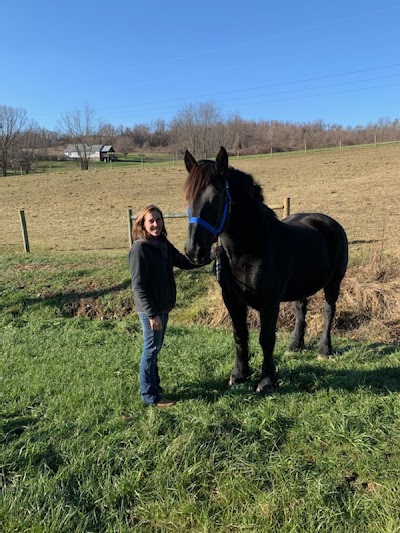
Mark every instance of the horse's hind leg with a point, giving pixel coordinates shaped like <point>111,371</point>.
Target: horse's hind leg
<point>297,341</point>
<point>331,296</point>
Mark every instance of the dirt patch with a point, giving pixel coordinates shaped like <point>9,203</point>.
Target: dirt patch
<point>95,308</point>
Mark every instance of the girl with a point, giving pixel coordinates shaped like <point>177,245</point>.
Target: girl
<point>151,259</point>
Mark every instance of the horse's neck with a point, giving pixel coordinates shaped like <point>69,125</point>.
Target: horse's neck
<point>247,233</point>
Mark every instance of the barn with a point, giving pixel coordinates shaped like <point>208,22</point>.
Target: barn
<point>97,152</point>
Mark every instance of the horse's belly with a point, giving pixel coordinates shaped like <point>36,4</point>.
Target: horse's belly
<point>303,288</point>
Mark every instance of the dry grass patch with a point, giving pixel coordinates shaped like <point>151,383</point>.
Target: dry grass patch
<point>368,306</point>
<point>86,210</point>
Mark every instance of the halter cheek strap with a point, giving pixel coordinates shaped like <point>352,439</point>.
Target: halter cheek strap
<point>215,231</point>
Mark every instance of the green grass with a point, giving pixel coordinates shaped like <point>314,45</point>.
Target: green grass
<point>132,160</point>
<point>80,453</point>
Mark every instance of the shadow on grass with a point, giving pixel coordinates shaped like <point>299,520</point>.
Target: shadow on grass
<point>13,426</point>
<point>68,302</point>
<point>309,378</point>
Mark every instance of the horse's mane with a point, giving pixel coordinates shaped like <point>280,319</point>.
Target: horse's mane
<point>205,173</point>
<point>245,186</point>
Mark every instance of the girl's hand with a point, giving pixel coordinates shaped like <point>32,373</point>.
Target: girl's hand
<point>155,323</point>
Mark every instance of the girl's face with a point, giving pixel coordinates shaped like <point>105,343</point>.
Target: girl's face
<point>153,223</point>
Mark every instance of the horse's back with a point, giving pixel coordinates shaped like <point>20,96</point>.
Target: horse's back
<point>313,220</point>
<point>327,226</point>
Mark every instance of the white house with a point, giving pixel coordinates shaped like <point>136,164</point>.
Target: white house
<point>97,152</point>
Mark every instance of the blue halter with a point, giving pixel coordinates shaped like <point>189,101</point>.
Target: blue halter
<point>215,231</point>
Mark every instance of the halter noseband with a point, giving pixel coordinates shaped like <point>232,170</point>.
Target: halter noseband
<point>215,231</point>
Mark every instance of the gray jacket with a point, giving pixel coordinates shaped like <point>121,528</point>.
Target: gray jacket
<point>151,263</point>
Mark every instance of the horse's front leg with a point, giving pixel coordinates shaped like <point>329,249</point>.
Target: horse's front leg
<point>238,314</point>
<point>268,319</point>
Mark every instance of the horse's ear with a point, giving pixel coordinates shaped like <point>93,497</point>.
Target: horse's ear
<point>222,161</point>
<point>190,161</point>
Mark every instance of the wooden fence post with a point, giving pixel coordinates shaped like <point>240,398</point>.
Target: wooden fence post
<point>286,207</point>
<point>24,230</point>
<point>130,227</point>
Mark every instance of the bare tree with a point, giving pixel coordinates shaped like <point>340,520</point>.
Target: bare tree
<point>12,123</point>
<point>124,144</point>
<point>27,148</point>
<point>81,128</point>
<point>107,133</point>
<point>159,134</point>
<point>236,132</point>
<point>193,128</point>
<point>141,135</point>
<point>186,134</point>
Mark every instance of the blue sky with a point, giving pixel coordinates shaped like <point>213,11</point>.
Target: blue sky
<point>138,61</point>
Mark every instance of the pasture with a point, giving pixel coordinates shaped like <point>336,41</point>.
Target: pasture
<point>86,210</point>
<point>79,451</point>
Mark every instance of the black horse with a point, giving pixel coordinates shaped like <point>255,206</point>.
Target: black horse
<point>264,261</point>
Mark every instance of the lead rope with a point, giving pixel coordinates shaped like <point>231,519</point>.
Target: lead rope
<point>218,261</point>
<point>218,250</point>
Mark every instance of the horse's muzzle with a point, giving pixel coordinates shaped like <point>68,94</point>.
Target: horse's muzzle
<point>197,255</point>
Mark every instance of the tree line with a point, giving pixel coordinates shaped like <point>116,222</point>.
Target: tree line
<point>200,128</point>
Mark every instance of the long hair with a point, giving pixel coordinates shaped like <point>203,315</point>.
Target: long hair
<point>139,231</point>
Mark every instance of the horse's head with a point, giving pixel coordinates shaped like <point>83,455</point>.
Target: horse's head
<point>207,193</point>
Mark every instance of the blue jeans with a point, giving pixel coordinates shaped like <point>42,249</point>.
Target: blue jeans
<point>149,379</point>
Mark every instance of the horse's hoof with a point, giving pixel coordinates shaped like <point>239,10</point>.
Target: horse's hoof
<point>324,356</point>
<point>294,348</point>
<point>233,383</point>
<point>266,386</point>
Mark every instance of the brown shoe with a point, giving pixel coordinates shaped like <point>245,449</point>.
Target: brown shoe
<point>165,402</point>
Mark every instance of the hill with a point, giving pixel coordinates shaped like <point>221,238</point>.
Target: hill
<point>86,210</point>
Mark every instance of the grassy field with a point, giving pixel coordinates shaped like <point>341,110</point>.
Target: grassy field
<point>121,162</point>
<point>79,452</point>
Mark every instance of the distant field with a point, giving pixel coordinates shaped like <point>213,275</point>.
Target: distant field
<point>133,159</point>
<point>87,210</point>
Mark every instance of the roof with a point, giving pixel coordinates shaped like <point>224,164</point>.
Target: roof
<point>89,149</point>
